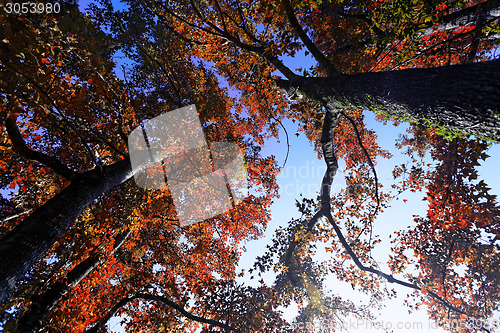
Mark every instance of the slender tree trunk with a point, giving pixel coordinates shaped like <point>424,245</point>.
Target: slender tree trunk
<point>34,236</point>
<point>487,11</point>
<point>462,98</point>
<point>44,303</point>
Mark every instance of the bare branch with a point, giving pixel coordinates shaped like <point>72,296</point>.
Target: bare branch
<point>287,142</point>
<point>11,217</point>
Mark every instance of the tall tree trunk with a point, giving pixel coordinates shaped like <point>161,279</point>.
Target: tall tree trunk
<point>34,236</point>
<point>462,98</point>
<point>44,303</point>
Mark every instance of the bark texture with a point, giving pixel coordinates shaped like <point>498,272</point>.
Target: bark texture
<point>32,238</point>
<point>462,98</point>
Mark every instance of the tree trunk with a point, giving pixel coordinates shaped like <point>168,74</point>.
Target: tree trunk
<point>487,11</point>
<point>458,98</point>
<point>44,303</point>
<point>34,236</point>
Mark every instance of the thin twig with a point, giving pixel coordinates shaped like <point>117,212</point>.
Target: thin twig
<point>8,218</point>
<point>353,123</point>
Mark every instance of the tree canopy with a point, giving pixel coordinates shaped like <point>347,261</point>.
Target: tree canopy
<point>81,242</point>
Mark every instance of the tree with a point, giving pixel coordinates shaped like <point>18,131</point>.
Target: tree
<point>61,92</point>
<point>434,89</point>
<point>65,120</point>
<point>448,96</point>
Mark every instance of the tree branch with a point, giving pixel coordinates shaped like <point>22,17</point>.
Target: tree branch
<point>373,26</point>
<point>331,161</point>
<point>287,72</point>
<point>20,147</point>
<point>372,166</point>
<point>471,54</point>
<point>260,50</point>
<point>329,156</point>
<point>59,112</point>
<point>287,141</point>
<point>332,167</point>
<point>221,15</point>
<point>11,217</point>
<point>490,10</point>
<point>316,53</point>
<point>441,43</point>
<point>241,25</point>
<point>389,277</point>
<point>28,242</point>
<point>165,301</point>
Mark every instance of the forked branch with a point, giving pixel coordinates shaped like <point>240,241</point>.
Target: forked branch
<point>389,277</point>
<point>332,166</point>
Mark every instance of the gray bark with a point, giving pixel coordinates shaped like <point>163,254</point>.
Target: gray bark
<point>462,98</point>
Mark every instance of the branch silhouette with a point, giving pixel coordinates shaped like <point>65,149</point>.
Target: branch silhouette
<point>164,300</point>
